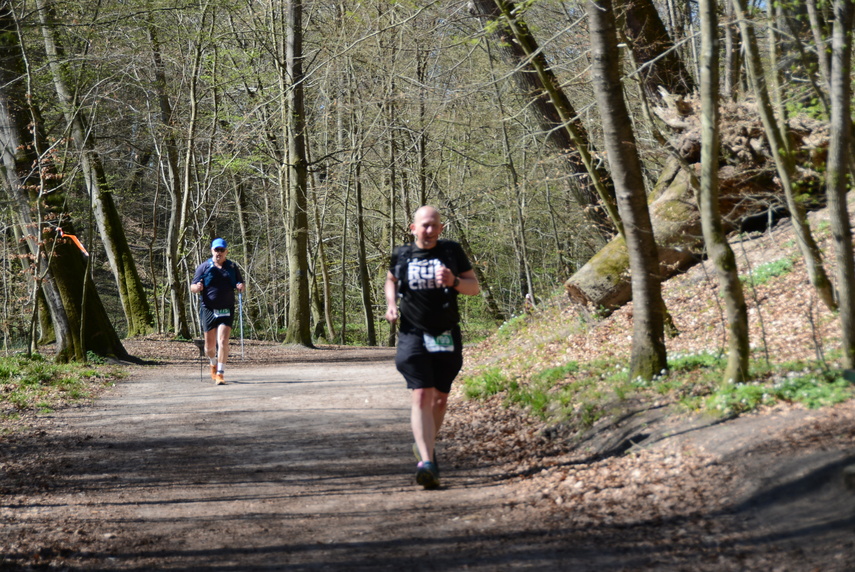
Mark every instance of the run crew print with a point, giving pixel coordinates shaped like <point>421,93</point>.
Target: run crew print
<point>421,274</point>
<point>426,304</point>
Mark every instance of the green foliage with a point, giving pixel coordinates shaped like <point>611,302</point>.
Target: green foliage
<point>92,357</point>
<point>766,272</point>
<point>35,384</point>
<point>579,395</point>
<point>811,107</point>
<point>487,383</point>
<point>810,388</point>
<point>553,375</point>
<point>694,361</point>
<point>510,328</point>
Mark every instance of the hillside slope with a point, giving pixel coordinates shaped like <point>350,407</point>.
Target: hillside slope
<point>751,491</point>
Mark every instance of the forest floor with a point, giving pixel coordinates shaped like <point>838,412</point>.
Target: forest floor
<point>303,462</point>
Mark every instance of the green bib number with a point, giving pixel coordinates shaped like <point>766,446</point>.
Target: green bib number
<point>441,343</point>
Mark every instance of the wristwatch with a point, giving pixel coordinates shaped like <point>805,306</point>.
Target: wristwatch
<point>456,282</point>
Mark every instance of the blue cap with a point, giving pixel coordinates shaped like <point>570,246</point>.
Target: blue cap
<point>218,243</point>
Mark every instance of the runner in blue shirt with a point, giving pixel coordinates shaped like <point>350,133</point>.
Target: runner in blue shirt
<point>215,280</point>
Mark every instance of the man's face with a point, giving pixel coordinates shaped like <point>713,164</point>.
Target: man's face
<point>219,254</point>
<point>426,228</point>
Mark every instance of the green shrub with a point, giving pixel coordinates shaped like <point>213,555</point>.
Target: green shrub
<point>766,272</point>
<point>34,384</point>
<point>489,382</point>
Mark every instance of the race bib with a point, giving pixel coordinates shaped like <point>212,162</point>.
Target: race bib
<point>222,313</point>
<point>441,343</point>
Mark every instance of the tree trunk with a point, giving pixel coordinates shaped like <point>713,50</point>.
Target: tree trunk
<point>392,150</point>
<point>79,319</point>
<point>653,49</point>
<point>364,278</point>
<point>181,211</point>
<point>838,156</point>
<point>172,179</point>
<point>648,357</point>
<point>732,60</point>
<point>817,28</point>
<point>553,111</point>
<point>299,310</point>
<point>325,311</point>
<point>718,249</point>
<point>780,146</point>
<point>131,292</point>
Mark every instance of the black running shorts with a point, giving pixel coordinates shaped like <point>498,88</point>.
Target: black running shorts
<point>210,320</point>
<point>423,369</point>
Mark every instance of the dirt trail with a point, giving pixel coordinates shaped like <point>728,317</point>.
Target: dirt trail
<point>298,466</point>
<point>306,465</point>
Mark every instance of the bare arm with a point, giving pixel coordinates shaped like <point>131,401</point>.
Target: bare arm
<point>468,282</point>
<point>390,288</point>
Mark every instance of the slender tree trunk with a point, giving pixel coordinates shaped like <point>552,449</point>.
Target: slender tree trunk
<point>422,142</point>
<point>179,288</point>
<point>780,148</point>
<point>364,279</point>
<point>648,339</point>
<point>774,54</point>
<point>732,61</point>
<point>325,315</point>
<point>31,181</point>
<point>131,292</point>
<point>653,49</point>
<point>718,249</point>
<point>836,181</point>
<point>172,179</point>
<point>392,158</point>
<point>553,111</point>
<point>817,28</point>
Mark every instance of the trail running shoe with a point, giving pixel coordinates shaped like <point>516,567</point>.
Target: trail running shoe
<point>418,457</point>
<point>427,476</point>
<point>220,379</point>
<point>213,373</point>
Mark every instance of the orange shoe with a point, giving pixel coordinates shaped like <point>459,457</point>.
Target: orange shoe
<point>219,379</point>
<point>213,373</point>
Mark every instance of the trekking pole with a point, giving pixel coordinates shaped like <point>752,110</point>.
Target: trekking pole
<point>240,311</point>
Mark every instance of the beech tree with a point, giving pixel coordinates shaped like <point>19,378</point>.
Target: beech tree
<point>294,122</point>
<point>133,296</point>
<point>837,178</point>
<point>781,148</point>
<point>80,322</point>
<point>715,239</point>
<point>648,338</point>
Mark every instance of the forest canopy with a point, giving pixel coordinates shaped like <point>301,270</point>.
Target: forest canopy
<point>307,133</point>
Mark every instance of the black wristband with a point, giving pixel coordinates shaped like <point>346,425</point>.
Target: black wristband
<point>456,282</point>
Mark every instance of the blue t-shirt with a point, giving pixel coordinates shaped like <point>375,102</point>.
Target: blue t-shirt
<point>220,283</point>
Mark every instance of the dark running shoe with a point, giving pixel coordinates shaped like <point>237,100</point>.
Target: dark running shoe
<point>418,457</point>
<point>427,476</point>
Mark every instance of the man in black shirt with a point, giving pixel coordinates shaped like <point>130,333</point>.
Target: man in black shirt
<point>428,275</point>
<point>215,280</point>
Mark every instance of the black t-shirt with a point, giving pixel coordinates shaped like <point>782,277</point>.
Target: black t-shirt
<point>425,304</point>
